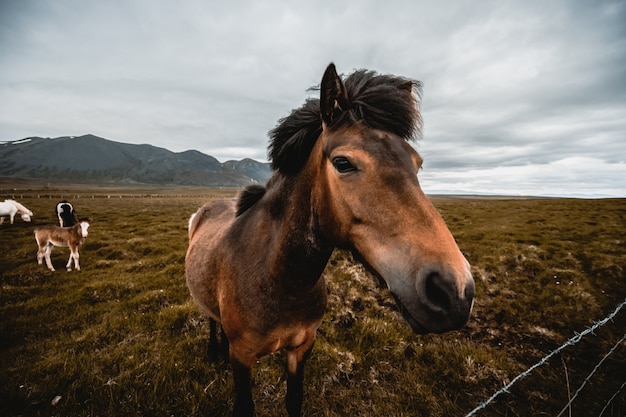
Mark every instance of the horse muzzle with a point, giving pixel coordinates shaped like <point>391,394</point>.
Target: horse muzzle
<point>435,299</point>
<point>439,302</point>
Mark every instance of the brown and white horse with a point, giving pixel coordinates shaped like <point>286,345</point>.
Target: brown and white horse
<point>344,176</point>
<point>11,208</point>
<point>49,236</point>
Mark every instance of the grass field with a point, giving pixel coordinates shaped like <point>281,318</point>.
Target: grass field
<point>122,337</point>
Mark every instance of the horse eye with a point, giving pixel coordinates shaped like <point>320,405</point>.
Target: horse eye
<point>342,165</point>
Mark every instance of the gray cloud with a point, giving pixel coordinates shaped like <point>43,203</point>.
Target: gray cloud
<point>511,89</point>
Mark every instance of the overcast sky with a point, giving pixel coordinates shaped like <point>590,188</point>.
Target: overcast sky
<point>520,97</point>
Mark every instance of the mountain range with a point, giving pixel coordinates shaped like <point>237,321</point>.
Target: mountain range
<point>90,158</point>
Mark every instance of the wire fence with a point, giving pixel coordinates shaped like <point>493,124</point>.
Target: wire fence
<point>577,338</point>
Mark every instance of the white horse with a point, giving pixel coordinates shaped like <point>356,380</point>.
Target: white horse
<point>50,236</point>
<point>11,208</point>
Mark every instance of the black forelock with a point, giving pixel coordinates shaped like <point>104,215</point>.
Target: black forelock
<point>384,102</point>
<point>293,138</point>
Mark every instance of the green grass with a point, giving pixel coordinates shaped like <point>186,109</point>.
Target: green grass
<point>122,337</point>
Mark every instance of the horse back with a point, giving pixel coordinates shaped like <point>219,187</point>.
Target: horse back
<point>214,214</point>
<point>207,227</point>
<point>7,207</point>
<point>58,236</point>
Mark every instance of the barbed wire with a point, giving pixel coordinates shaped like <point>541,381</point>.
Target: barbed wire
<point>590,375</point>
<point>612,398</point>
<point>577,338</point>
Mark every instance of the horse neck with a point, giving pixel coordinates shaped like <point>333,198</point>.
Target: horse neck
<point>301,251</point>
<point>20,207</point>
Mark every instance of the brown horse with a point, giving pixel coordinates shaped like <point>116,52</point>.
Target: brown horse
<point>344,176</point>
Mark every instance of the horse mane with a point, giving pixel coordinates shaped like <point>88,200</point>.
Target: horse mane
<point>20,207</point>
<point>248,197</point>
<point>384,102</point>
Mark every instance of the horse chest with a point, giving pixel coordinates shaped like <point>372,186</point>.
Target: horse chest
<point>266,308</point>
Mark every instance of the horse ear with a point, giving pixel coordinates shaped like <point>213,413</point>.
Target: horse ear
<point>333,96</point>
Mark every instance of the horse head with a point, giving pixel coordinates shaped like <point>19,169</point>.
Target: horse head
<point>368,198</point>
<point>84,226</point>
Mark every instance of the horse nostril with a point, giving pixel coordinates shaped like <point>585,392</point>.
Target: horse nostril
<point>436,292</point>
<point>469,291</point>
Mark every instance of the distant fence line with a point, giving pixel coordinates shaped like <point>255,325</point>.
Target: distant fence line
<point>577,338</point>
<point>105,195</point>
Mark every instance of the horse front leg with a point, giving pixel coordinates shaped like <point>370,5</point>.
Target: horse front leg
<point>296,359</point>
<point>73,255</point>
<point>242,374</point>
<point>213,345</point>
<point>47,253</point>
<point>40,254</point>
<point>217,347</point>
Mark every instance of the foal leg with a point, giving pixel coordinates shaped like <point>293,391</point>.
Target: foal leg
<point>69,262</point>
<point>47,253</point>
<point>40,253</point>
<point>74,255</point>
<point>296,358</point>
